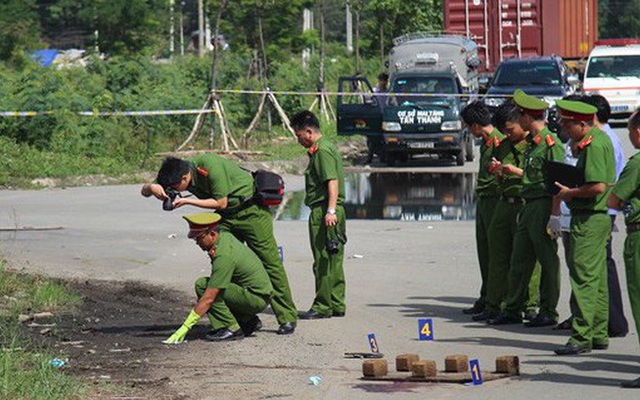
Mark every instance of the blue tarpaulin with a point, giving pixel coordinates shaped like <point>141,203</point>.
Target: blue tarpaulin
<point>45,57</point>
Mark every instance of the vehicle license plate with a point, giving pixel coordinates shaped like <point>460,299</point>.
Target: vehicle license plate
<point>421,145</point>
<point>619,108</point>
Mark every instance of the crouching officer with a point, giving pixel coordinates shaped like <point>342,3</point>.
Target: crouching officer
<point>237,289</point>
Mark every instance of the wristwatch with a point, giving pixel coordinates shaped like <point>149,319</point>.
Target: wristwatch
<point>331,211</point>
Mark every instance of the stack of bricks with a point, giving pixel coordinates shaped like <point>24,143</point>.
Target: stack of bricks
<point>375,368</point>
<point>424,369</point>
<point>405,361</point>
<point>508,365</point>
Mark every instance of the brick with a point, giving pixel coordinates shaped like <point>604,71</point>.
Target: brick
<point>424,369</point>
<point>374,368</point>
<point>508,365</point>
<point>404,361</point>
<point>456,363</point>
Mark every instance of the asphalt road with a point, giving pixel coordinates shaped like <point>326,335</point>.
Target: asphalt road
<point>396,272</point>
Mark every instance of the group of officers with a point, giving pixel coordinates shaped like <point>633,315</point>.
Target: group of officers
<point>247,272</point>
<point>519,217</point>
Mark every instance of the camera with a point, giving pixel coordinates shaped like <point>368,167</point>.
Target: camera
<point>172,193</point>
<point>334,241</point>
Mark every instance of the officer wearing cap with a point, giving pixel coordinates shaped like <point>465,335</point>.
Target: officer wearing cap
<point>237,289</point>
<point>221,185</point>
<point>538,221</point>
<point>324,184</point>
<point>508,156</point>
<point>626,196</point>
<point>477,118</point>
<point>590,227</point>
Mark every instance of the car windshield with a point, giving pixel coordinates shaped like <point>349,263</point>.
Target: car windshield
<point>527,73</point>
<point>614,67</point>
<point>435,88</point>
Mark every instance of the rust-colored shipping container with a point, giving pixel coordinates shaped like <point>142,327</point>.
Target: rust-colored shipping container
<point>524,28</point>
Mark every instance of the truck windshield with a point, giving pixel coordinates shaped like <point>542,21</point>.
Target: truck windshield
<point>527,73</point>
<point>432,89</point>
<point>614,67</point>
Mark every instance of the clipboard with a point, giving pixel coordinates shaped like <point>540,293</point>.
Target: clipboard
<point>566,174</point>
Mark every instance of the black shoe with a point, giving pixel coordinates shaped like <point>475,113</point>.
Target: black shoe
<point>564,325</point>
<point>484,316</point>
<point>213,332</point>
<point>286,329</point>
<point>476,309</point>
<point>226,335</point>
<point>540,320</point>
<point>570,349</point>
<point>530,315</point>
<point>600,346</point>
<point>338,314</point>
<point>634,384</point>
<point>251,326</point>
<point>504,319</point>
<point>312,314</point>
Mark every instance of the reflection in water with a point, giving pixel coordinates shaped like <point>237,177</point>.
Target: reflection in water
<point>400,196</point>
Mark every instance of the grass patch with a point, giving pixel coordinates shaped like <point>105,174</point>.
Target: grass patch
<point>25,367</point>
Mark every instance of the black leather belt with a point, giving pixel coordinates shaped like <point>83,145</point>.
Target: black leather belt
<point>585,213</point>
<point>512,199</point>
<point>633,227</point>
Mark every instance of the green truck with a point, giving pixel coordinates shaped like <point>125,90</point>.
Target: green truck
<point>432,77</point>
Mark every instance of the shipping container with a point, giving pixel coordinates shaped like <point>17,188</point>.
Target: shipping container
<point>524,28</point>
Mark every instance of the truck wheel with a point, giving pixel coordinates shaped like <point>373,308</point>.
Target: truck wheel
<point>460,158</point>
<point>469,150</point>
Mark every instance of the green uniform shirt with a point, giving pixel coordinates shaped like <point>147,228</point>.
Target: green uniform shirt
<point>215,177</point>
<point>235,262</point>
<point>596,159</point>
<point>487,186</point>
<point>325,164</point>
<point>628,188</point>
<point>508,153</point>
<point>544,147</point>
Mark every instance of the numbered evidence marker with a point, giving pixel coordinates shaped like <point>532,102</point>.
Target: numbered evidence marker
<point>476,375</point>
<point>373,343</point>
<point>425,329</point>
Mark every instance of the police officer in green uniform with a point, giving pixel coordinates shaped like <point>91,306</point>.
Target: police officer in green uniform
<point>590,227</point>
<point>626,196</point>
<point>477,117</point>
<point>237,289</point>
<point>324,186</point>
<point>538,223</point>
<point>508,156</point>
<point>220,184</point>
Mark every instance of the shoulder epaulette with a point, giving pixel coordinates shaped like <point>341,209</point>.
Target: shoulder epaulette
<point>537,139</point>
<point>585,142</point>
<point>313,149</point>
<point>203,171</point>
<point>496,141</point>
<point>550,141</point>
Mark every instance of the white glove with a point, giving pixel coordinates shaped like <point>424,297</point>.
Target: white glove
<point>554,226</point>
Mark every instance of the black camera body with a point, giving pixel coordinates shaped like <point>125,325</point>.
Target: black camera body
<point>334,241</point>
<point>172,193</point>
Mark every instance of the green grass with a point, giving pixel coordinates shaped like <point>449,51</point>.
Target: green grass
<point>25,368</point>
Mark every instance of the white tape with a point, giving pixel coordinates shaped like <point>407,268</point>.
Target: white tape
<point>106,113</point>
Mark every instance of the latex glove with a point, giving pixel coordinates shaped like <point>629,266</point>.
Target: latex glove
<point>178,336</point>
<point>554,226</point>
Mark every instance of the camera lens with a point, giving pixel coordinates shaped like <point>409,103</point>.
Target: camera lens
<point>167,204</point>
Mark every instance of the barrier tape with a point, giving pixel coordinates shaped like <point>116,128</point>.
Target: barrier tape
<point>106,113</point>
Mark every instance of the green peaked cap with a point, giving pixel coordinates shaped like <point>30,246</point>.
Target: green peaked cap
<point>528,102</point>
<point>201,222</point>
<point>577,107</point>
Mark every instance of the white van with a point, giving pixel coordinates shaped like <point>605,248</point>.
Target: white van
<point>613,71</point>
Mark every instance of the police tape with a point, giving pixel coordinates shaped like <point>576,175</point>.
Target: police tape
<point>106,113</point>
<point>361,93</point>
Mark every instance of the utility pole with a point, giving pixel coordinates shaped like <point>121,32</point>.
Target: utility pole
<point>172,30</point>
<point>200,28</point>
<point>182,28</point>
<point>349,29</point>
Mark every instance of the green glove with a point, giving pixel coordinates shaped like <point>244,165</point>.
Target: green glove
<point>178,336</point>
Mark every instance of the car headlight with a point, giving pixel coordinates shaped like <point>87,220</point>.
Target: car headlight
<point>451,126</point>
<point>494,101</point>
<point>391,126</point>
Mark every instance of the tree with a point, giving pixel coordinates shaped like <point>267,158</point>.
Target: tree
<point>19,28</point>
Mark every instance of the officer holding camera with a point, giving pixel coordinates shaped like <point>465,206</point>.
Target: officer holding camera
<point>324,184</point>
<point>220,184</point>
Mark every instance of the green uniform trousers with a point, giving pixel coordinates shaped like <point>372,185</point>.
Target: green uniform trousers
<point>632,268</point>
<point>531,243</point>
<point>589,235</point>
<point>232,305</point>
<point>254,226</point>
<point>485,207</point>
<point>327,268</point>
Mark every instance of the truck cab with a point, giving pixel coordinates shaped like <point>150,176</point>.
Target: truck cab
<point>431,79</point>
